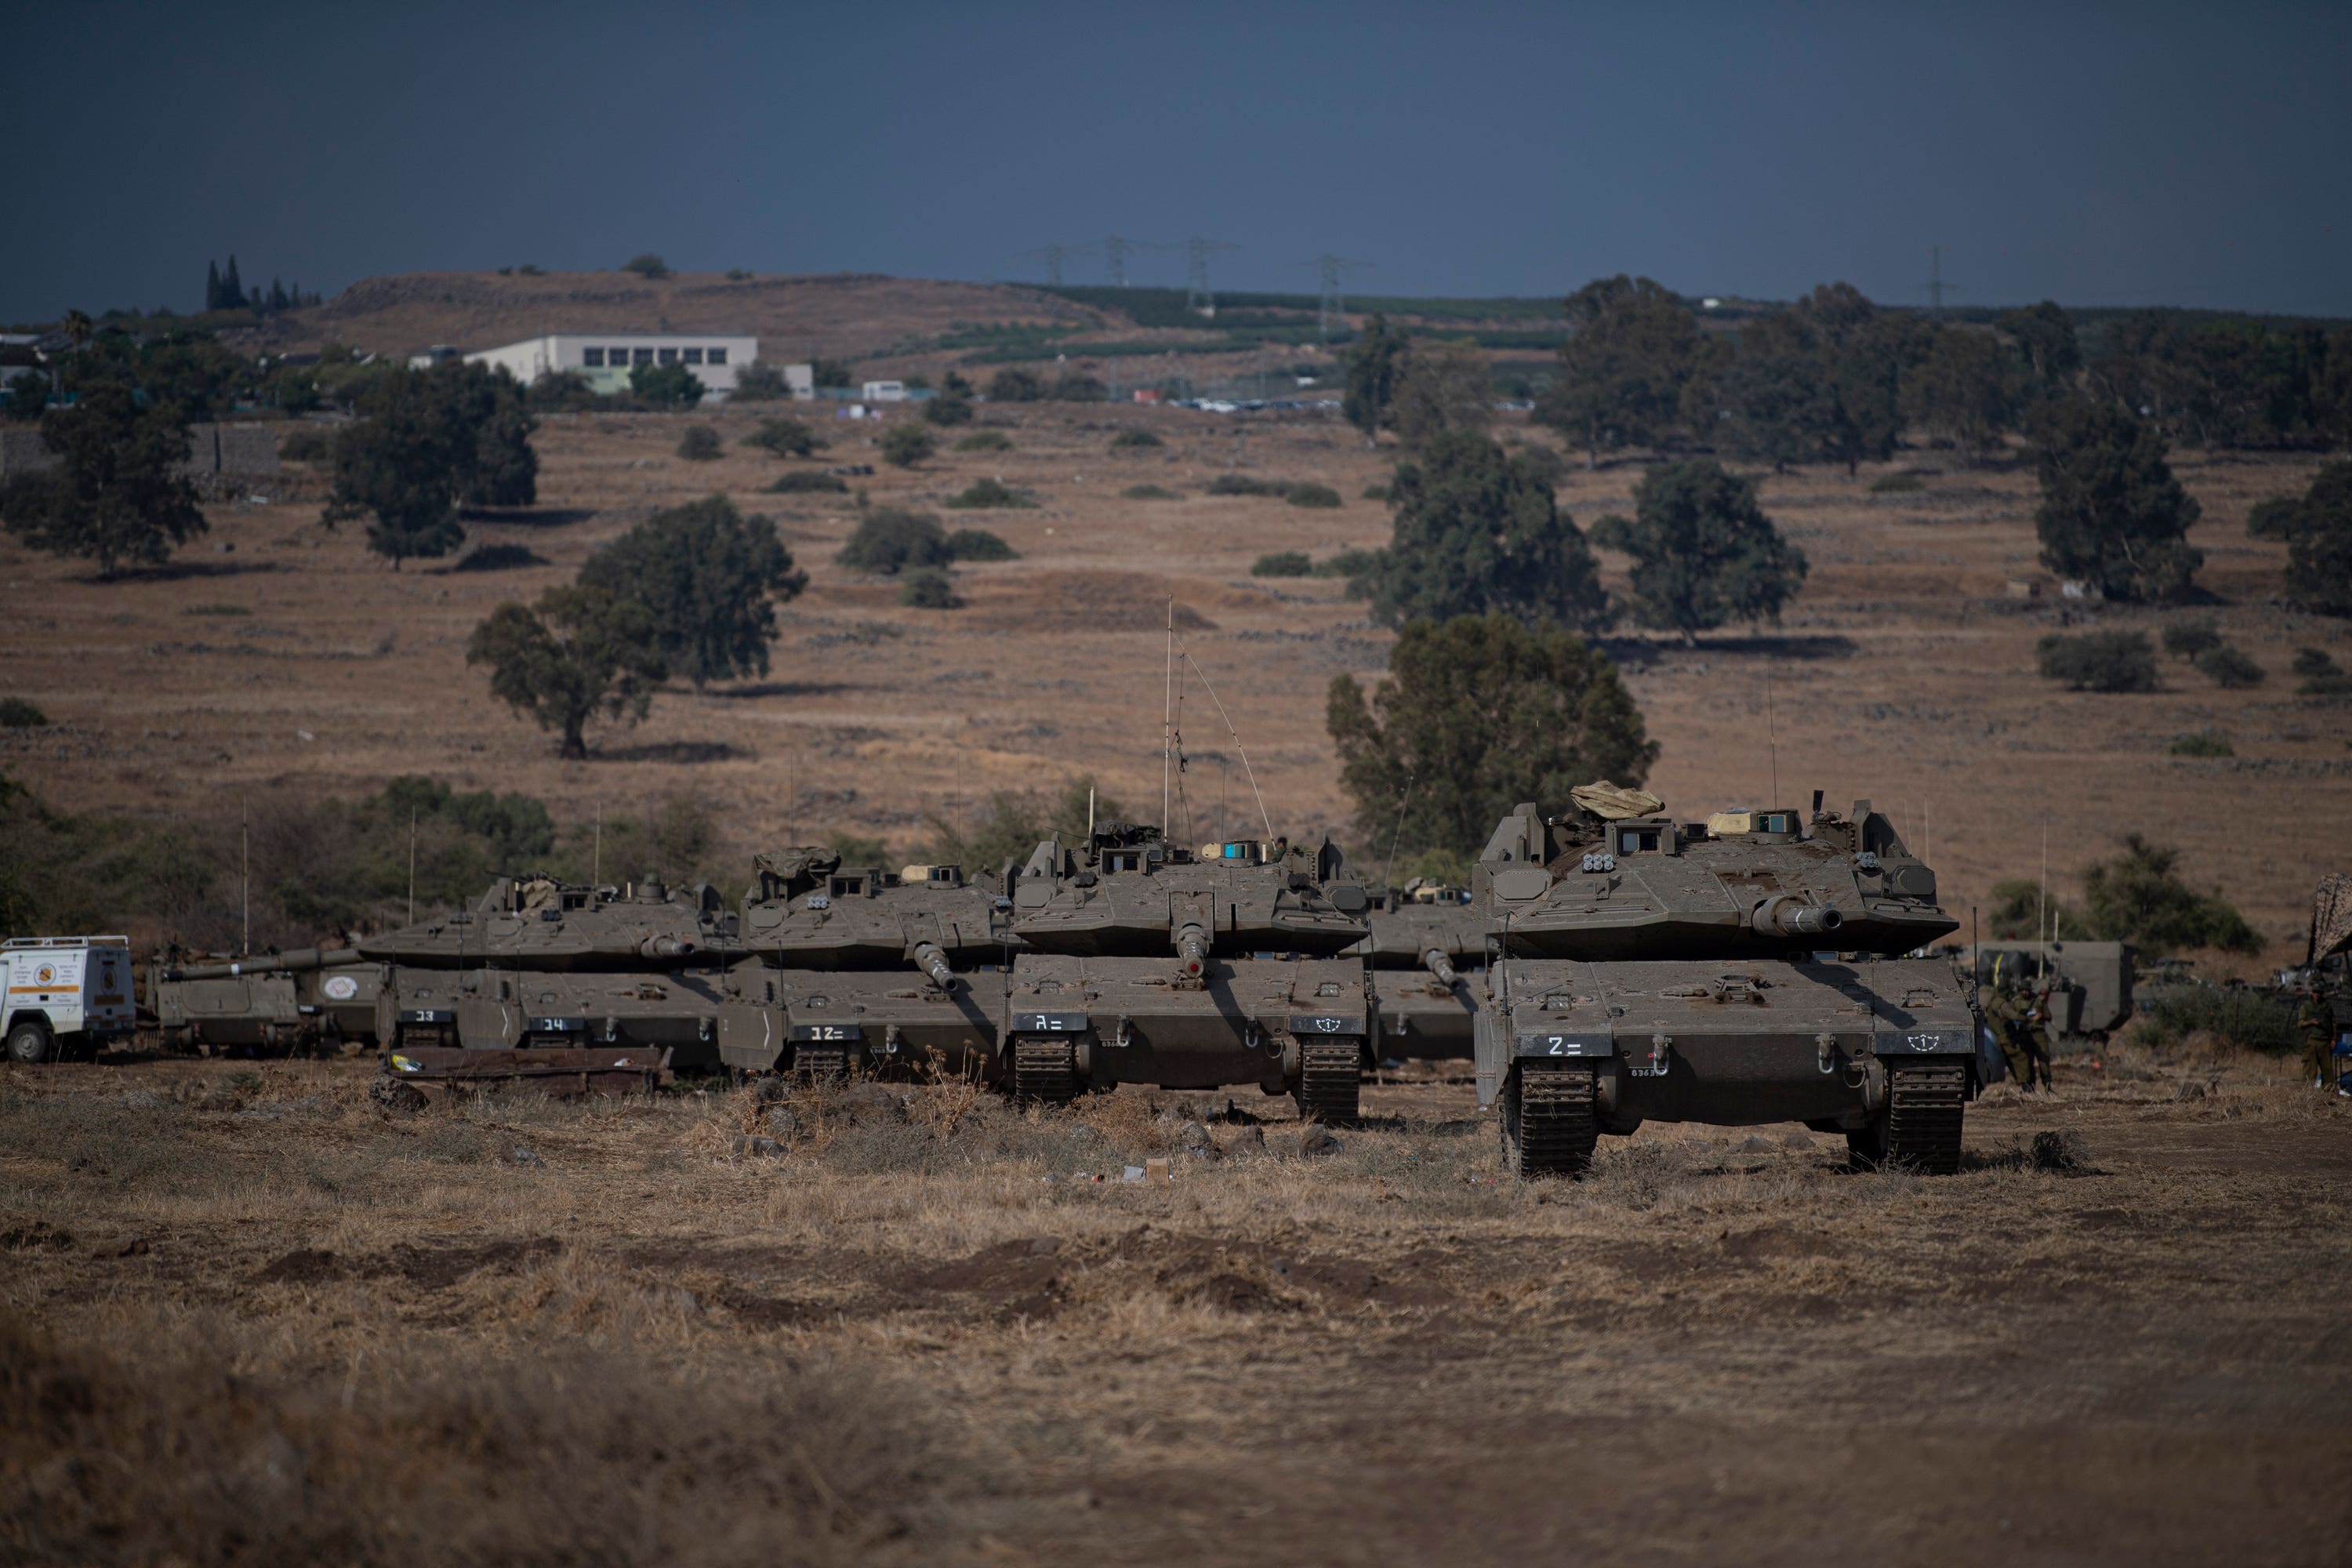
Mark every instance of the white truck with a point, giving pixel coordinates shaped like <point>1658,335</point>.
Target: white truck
<point>65,991</point>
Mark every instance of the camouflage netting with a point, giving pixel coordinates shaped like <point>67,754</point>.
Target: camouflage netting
<point>801,861</point>
<point>2331,917</point>
<point>1606,801</point>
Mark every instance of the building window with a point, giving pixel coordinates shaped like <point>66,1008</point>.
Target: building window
<point>644,356</point>
<point>669,356</point>
<point>691,357</point>
<point>592,358</point>
<point>718,356</point>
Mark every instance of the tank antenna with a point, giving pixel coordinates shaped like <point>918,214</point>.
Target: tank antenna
<point>1168,716</point>
<point>596,862</point>
<point>1248,771</point>
<point>244,898</point>
<point>412,865</point>
<point>1771,735</point>
<point>1090,814</point>
<point>1403,801</point>
<point>2042,904</point>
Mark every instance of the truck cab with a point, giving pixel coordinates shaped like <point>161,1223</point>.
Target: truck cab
<point>64,991</point>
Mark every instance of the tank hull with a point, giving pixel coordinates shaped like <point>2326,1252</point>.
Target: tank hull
<point>280,1011</point>
<point>506,1010</point>
<point>883,1021</point>
<point>1420,1017</point>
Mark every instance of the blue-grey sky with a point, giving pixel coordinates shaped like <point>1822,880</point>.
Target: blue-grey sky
<point>2145,154</point>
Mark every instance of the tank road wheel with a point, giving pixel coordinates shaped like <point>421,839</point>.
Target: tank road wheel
<point>1918,1128</point>
<point>28,1042</point>
<point>1330,1074</point>
<point>1044,1069</point>
<point>821,1064</point>
<point>1550,1126</point>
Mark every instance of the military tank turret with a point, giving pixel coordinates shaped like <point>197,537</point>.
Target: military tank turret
<point>303,999</point>
<point>539,923</point>
<point>845,966</point>
<point>1151,963</point>
<point>1427,951</point>
<point>1775,991</point>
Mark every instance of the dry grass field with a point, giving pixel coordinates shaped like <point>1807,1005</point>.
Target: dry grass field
<point>250,1319</point>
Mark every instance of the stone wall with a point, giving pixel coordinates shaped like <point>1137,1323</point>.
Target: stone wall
<point>214,452</point>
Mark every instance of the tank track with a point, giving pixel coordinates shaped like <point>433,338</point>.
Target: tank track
<point>821,1064</point>
<point>1550,1122</point>
<point>1330,1076</point>
<point>1044,1069</point>
<point>1920,1130</point>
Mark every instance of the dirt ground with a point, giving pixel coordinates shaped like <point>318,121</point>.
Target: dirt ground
<point>252,1318</point>
<point>278,655</point>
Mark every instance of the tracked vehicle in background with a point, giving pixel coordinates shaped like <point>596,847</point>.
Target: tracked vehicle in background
<point>1736,971</point>
<point>1427,951</point>
<point>1146,963</point>
<point>839,967</point>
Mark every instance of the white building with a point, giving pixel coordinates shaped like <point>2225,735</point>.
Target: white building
<point>606,358</point>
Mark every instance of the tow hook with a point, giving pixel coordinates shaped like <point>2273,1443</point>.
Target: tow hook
<point>1825,1048</point>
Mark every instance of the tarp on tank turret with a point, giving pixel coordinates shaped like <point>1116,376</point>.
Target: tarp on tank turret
<point>1611,804</point>
<point>804,860</point>
<point>2331,917</point>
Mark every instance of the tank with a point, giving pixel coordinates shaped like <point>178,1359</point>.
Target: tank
<point>1741,970</point>
<point>1427,952</point>
<point>536,922</point>
<point>1150,964</point>
<point>856,967</point>
<point>310,998</point>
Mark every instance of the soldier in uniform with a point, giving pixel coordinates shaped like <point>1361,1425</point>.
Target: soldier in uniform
<point>2316,1019</point>
<point>2034,1031</point>
<point>2007,1014</point>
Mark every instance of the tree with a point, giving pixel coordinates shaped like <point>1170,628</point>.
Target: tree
<point>212,285</point>
<point>700,444</point>
<point>1704,551</point>
<point>831,373</point>
<point>948,408</point>
<point>887,540</point>
<point>1477,714</point>
<point>1821,381</point>
<point>759,381</point>
<point>2111,512</point>
<point>666,385</point>
<point>1015,387</point>
<point>2024,910</point>
<point>928,588</point>
<point>28,393</point>
<point>709,578</point>
<point>504,470</point>
<point>1478,531</point>
<point>2099,661</point>
<point>2044,337</point>
<point>1966,390</point>
<point>1634,352</point>
<point>785,439</point>
<point>1076,387</point>
<point>188,369</point>
<point>1372,366</point>
<point>426,440</point>
<point>2138,897</point>
<point>904,445</point>
<point>232,291</point>
<point>578,652</point>
<point>645,264</point>
<point>116,492</point>
<point>2319,547</point>
<point>1439,389</point>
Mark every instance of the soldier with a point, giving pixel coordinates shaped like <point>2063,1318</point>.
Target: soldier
<point>2006,1013</point>
<point>2316,1019</point>
<point>2034,1032</point>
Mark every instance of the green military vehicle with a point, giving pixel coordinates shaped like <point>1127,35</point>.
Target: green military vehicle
<point>308,999</point>
<point>1427,951</point>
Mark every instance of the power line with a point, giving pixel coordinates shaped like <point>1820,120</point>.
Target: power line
<point>1197,251</point>
<point>1332,309</point>
<point>1936,285</point>
<point>1053,256</point>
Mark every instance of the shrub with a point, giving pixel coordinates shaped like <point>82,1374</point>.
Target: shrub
<point>1151,492</point>
<point>2138,897</point>
<point>2321,678</point>
<point>2099,661</point>
<point>1015,387</point>
<point>2311,661</point>
<point>2187,639</point>
<point>831,373</point>
<point>2198,746</point>
<point>948,409</point>
<point>2275,518</point>
<point>784,437</point>
<point>1348,563</point>
<point>1376,492</point>
<point>1243,485</point>
<point>2319,552</point>
<point>645,264</point>
<point>1896,484</point>
<point>980,544</point>
<point>1317,496</point>
<point>2249,1019</point>
<point>2229,667</point>
<point>759,381</point>
<point>738,274</point>
<point>806,482</point>
<point>889,539</point>
<point>906,445</point>
<point>700,444</point>
<point>1282,563</point>
<point>1132,440</point>
<point>1077,387</point>
<point>498,558</point>
<point>984,495</point>
<point>307,444</point>
<point>985,441</point>
<point>928,588</point>
<point>15,713</point>
<point>666,385</point>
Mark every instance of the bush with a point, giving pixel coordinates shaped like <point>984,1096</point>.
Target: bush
<point>2023,910</point>
<point>2274,518</point>
<point>1348,563</point>
<point>645,264</point>
<point>2319,552</point>
<point>1896,484</point>
<point>889,539</point>
<point>928,588</point>
<point>784,437</point>
<point>1132,440</point>
<point>906,445</point>
<point>1243,485</point>
<point>1317,496</point>
<point>2321,678</point>
<point>700,444</point>
<point>498,558</point>
<point>980,544</point>
<point>759,381</point>
<point>1015,387</point>
<point>831,373</point>
<point>1376,492</point>
<point>2311,661</point>
<point>1076,387</point>
<point>2250,1020</point>
<point>985,441</point>
<point>807,483</point>
<point>666,385</point>
<point>984,495</point>
<point>2099,661</point>
<point>947,409</point>
<point>15,713</point>
<point>2229,667</point>
<point>2138,897</point>
<point>1151,492</point>
<point>307,444</point>
<point>2187,639</point>
<point>1282,563</point>
<point>2198,746</point>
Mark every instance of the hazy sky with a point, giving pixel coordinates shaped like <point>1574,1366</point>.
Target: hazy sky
<point>2146,154</point>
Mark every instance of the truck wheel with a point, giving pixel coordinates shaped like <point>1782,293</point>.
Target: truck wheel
<point>29,1042</point>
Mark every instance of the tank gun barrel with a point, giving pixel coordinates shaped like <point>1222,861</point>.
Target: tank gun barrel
<point>934,963</point>
<point>1192,948</point>
<point>294,963</point>
<point>1785,917</point>
<point>1439,966</point>
<point>664,947</point>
